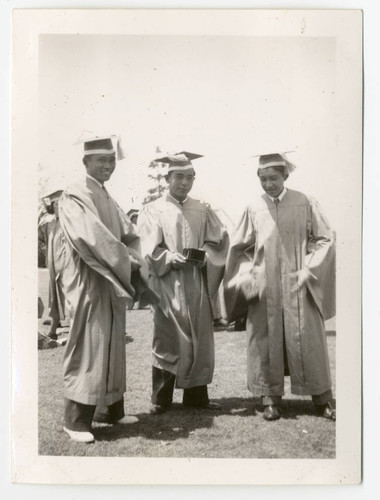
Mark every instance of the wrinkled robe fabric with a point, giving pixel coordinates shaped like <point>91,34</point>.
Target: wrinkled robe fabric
<point>183,339</point>
<point>97,286</point>
<point>270,243</point>
<point>51,234</point>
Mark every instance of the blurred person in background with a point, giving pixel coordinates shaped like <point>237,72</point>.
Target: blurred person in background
<point>51,236</point>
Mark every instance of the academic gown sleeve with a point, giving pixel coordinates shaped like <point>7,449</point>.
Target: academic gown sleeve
<point>139,277</point>
<point>216,243</point>
<point>239,263</point>
<point>320,261</point>
<point>94,243</point>
<point>152,241</point>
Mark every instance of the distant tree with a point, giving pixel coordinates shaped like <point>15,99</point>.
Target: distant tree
<point>157,176</point>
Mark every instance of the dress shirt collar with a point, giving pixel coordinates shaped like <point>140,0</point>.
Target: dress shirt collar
<point>280,196</point>
<point>95,180</point>
<point>176,201</point>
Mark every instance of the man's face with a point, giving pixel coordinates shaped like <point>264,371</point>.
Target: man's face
<point>272,181</point>
<point>100,166</point>
<point>180,183</point>
<point>55,207</point>
<point>49,208</point>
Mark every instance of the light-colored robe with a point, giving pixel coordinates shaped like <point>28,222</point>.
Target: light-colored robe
<point>183,339</point>
<point>270,243</point>
<point>97,286</point>
<point>50,233</point>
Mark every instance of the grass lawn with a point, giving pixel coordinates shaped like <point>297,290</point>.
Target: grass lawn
<point>237,431</point>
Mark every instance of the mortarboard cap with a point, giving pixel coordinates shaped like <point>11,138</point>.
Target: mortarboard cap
<point>275,160</point>
<point>102,145</point>
<point>180,160</point>
<point>99,146</point>
<point>131,212</point>
<point>54,196</point>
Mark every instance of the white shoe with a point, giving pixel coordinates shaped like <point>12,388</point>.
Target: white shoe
<point>127,419</point>
<point>79,437</point>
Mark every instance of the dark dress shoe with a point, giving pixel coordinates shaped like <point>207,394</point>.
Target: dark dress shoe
<point>271,412</point>
<point>157,409</point>
<point>240,324</point>
<point>326,411</point>
<point>220,323</point>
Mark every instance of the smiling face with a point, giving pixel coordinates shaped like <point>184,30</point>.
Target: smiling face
<point>272,180</point>
<point>100,166</point>
<point>180,183</point>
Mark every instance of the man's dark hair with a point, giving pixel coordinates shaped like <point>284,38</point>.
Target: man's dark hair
<point>167,176</point>
<point>278,168</point>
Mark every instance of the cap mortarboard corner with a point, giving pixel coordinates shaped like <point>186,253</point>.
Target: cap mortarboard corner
<point>179,160</point>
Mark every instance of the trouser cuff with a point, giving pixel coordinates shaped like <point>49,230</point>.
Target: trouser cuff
<point>77,416</point>
<point>110,414</point>
<point>271,400</point>
<point>162,387</point>
<point>196,397</point>
<point>322,399</point>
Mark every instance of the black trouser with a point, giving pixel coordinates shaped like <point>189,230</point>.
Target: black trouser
<point>78,417</point>
<point>163,387</point>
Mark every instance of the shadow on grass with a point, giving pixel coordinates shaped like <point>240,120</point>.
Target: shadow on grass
<point>224,328</point>
<point>243,407</point>
<point>292,409</point>
<point>177,423</point>
<point>180,422</point>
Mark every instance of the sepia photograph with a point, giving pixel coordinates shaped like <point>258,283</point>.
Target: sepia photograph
<point>196,184</point>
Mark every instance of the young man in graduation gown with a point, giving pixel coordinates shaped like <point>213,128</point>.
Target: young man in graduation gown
<point>183,341</point>
<point>281,266</point>
<point>50,233</point>
<point>101,257</point>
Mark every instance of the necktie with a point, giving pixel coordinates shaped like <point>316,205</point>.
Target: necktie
<point>105,191</point>
<point>276,202</point>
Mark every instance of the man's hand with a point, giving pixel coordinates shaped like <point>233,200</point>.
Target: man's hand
<point>178,261</point>
<point>135,264</point>
<point>302,277</point>
<point>248,286</point>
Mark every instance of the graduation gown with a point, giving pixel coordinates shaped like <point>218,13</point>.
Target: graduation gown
<point>183,340</point>
<point>50,233</point>
<point>269,244</point>
<point>97,285</point>
<point>56,264</point>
